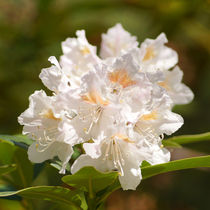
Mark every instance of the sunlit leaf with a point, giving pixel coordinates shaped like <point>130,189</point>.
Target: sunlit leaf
<point>57,194</point>
<point>89,179</point>
<point>194,162</point>
<point>187,139</point>
<point>199,142</point>
<point>149,171</point>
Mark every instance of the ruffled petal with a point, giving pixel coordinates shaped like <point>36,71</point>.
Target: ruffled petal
<point>62,150</point>
<point>116,41</point>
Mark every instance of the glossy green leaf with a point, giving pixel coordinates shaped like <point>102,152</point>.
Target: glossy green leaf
<point>89,179</point>
<point>7,168</point>
<point>198,142</point>
<point>187,139</point>
<point>195,162</point>
<point>57,194</point>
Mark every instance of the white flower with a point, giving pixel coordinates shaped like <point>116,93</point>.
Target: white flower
<point>116,41</point>
<point>159,154</point>
<point>54,77</point>
<point>42,124</point>
<point>107,93</point>
<point>79,57</point>
<point>92,105</point>
<point>158,119</point>
<point>122,103</point>
<point>119,149</point>
<point>126,83</point>
<point>154,55</point>
<point>172,83</point>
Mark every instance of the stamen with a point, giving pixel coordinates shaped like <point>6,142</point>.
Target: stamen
<point>42,150</point>
<point>96,114</point>
<point>120,153</point>
<point>113,149</point>
<point>149,134</point>
<point>46,140</point>
<point>107,150</point>
<point>118,159</point>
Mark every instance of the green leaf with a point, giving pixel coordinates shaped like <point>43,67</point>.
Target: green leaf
<point>149,171</point>
<point>144,164</point>
<point>7,150</point>
<point>195,162</point>
<point>10,154</point>
<point>52,193</point>
<point>19,140</point>
<point>187,139</point>
<point>23,176</point>
<point>90,180</point>
<point>7,168</point>
<point>199,142</point>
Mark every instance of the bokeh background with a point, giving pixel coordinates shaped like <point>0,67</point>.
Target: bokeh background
<point>32,30</point>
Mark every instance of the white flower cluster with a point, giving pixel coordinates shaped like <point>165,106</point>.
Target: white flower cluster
<point>117,105</point>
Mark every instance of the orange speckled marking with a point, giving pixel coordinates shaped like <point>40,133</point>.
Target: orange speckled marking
<point>123,137</point>
<point>121,77</point>
<point>94,98</point>
<point>85,50</point>
<point>164,85</point>
<point>149,54</point>
<point>150,116</point>
<point>49,115</point>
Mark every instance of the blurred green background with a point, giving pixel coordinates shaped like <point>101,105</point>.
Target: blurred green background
<point>32,30</point>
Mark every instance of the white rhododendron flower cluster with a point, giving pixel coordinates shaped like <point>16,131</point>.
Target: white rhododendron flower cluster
<point>117,105</point>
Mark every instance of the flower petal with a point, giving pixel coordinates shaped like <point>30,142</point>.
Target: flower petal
<point>116,41</point>
<point>62,150</point>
